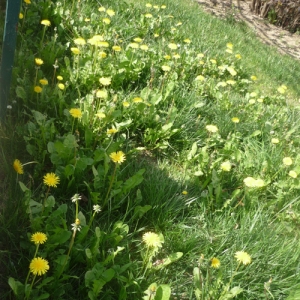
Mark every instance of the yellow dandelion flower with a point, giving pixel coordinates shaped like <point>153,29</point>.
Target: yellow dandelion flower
<point>172,46</point>
<point>137,100</point>
<point>60,78</point>
<point>282,89</point>
<point>238,56</point>
<point>80,41</point>
<point>112,131</point>
<point>213,61</point>
<point>212,128</point>
<point>51,179</point>
<point>274,141</point>
<point>18,167</point>
<point>148,5</point>
<point>228,51</point>
<point>110,12</point>
<point>176,56</point>
<point>187,41</point>
<point>138,40</point>
<point>100,115</point>
<point>38,89</point>
<point>229,45</point>
<point>75,50</point>
<point>75,113</point>
<point>126,104</point>
<point>200,78</point>
<point>144,47</point>
<point>184,192</point>
<point>134,45</point>
<point>101,94</point>
<point>293,174</point>
<point>116,48</point>
<point>148,16</point>
<point>167,57</point>
<point>43,81</point>
<point>102,54</point>
<point>252,101</point>
<point>287,161</point>
<point>179,24</point>
<point>166,68</point>
<point>21,16</point>
<point>106,21</point>
<point>152,239</point>
<point>39,266</point>
<point>105,81</point>
<point>156,35</point>
<point>87,20</point>
<point>243,257</point>
<point>46,22</point>
<point>226,166</point>
<point>253,77</point>
<point>253,183</point>
<point>163,6</point>
<point>232,71</point>
<point>39,238</point>
<point>61,86</point>
<point>200,55</point>
<point>235,120</point>
<point>27,1</point>
<point>101,9</point>
<point>215,263</point>
<point>38,61</point>
<point>117,157</point>
<point>231,82</point>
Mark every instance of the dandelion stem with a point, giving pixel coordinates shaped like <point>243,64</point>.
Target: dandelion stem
<point>110,185</point>
<point>30,288</point>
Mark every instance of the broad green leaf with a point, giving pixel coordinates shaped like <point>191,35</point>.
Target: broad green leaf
<point>163,292</point>
<point>16,286</point>
<point>170,259</point>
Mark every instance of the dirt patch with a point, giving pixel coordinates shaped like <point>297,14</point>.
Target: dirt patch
<point>283,40</point>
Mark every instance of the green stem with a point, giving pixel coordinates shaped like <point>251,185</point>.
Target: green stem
<point>110,185</point>
<point>44,30</point>
<point>44,202</point>
<point>30,288</point>
<point>68,255</point>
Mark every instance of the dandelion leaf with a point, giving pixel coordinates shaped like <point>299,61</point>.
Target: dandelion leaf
<point>163,292</point>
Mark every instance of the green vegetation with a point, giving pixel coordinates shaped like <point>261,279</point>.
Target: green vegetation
<point>150,152</point>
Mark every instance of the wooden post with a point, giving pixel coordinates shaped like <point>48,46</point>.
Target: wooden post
<point>8,52</point>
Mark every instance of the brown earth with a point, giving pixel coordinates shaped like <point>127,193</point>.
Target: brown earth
<point>283,40</point>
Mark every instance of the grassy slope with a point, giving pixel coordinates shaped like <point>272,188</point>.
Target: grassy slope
<point>211,34</point>
<point>202,232</point>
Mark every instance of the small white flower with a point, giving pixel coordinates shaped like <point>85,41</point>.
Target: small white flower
<point>76,198</point>
<point>97,208</point>
<point>9,107</point>
<point>76,225</point>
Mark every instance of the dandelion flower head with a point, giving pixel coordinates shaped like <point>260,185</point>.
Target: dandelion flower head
<point>211,128</point>
<point>39,238</point>
<point>51,179</point>
<point>75,113</point>
<point>152,239</point>
<point>105,81</point>
<point>243,257</point>
<point>293,174</point>
<point>215,263</point>
<point>18,166</point>
<point>287,161</point>
<point>226,166</point>
<point>38,61</point>
<point>235,120</point>
<point>118,157</point>
<point>184,192</point>
<point>38,89</point>
<point>39,266</point>
<point>46,22</point>
<point>43,81</point>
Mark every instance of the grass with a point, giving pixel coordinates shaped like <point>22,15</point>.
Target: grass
<point>177,178</point>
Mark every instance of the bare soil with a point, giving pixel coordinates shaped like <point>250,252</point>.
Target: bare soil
<point>283,40</point>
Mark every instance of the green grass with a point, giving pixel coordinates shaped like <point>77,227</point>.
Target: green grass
<point>168,150</point>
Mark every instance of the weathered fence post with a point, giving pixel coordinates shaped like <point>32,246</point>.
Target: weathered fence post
<point>8,52</point>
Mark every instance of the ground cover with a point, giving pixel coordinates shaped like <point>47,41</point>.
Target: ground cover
<point>159,163</point>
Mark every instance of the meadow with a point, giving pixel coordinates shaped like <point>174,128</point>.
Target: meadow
<point>149,151</point>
